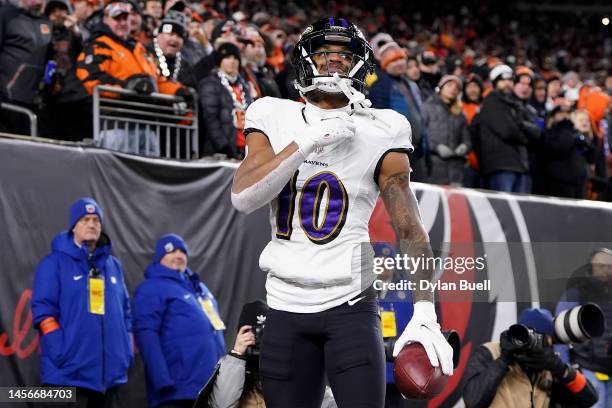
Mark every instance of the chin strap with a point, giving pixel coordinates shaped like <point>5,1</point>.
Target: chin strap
<point>337,84</point>
<point>357,100</point>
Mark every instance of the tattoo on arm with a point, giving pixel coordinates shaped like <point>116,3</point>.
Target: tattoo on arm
<point>403,210</point>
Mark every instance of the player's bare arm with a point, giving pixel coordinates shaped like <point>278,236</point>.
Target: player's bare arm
<point>402,206</point>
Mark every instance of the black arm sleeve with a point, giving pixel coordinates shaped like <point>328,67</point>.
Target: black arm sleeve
<point>482,377</point>
<point>561,396</point>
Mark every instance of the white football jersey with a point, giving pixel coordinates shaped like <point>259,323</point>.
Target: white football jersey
<point>320,219</point>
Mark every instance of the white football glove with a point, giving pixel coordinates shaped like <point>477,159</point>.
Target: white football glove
<point>424,328</point>
<point>332,129</point>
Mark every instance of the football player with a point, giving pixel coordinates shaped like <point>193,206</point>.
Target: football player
<point>321,166</point>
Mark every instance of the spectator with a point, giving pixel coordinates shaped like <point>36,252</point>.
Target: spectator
<point>224,98</point>
<point>83,9</point>
<point>412,70</point>
<point>553,90</point>
<point>113,59</point>
<point>571,86</point>
<point>193,50</point>
<point>528,121</point>
<point>197,33</point>
<point>154,9</point>
<point>135,22</point>
<point>93,21</point>
<point>598,105</point>
<point>592,283</point>
<point>565,156</point>
<point>259,76</point>
<point>67,113</point>
<point>177,327</point>
<point>508,374</point>
<point>499,142</point>
<point>224,31</point>
<point>393,90</point>
<point>167,46</point>
<point>81,309</point>
<point>22,60</point>
<point>473,89</point>
<point>447,129</point>
<point>430,74</point>
<point>538,101</point>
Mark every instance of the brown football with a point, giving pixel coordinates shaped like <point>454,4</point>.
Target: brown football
<point>414,375</point>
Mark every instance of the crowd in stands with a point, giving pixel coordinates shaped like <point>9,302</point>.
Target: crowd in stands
<point>498,96</point>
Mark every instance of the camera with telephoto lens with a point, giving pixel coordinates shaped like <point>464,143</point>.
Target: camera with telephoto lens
<point>574,325</point>
<point>579,324</point>
<point>451,336</point>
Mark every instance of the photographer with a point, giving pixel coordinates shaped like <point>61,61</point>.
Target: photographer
<point>522,372</point>
<point>592,283</point>
<point>235,382</point>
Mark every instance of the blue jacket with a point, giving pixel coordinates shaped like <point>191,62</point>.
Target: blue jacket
<point>89,350</point>
<point>177,342</point>
<point>385,93</point>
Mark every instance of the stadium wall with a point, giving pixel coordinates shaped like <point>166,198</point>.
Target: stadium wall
<point>532,243</point>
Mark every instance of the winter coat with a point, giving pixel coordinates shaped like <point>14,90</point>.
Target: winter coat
<point>444,127</point>
<point>565,154</point>
<point>217,105</point>
<point>492,382</point>
<point>88,350</point>
<point>385,94</point>
<point>177,341</point>
<point>23,51</point>
<point>499,135</point>
<point>110,60</point>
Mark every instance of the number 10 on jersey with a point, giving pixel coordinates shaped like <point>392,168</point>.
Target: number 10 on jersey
<point>322,207</point>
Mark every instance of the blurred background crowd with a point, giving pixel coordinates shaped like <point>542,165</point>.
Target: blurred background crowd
<point>510,97</point>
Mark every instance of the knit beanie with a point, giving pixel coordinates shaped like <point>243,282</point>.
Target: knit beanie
<point>81,208</point>
<point>167,244</point>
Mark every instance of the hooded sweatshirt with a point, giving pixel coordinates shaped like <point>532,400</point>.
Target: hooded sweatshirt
<point>178,343</point>
<point>89,350</point>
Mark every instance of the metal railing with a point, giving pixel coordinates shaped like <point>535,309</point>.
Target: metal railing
<point>31,116</point>
<point>149,125</point>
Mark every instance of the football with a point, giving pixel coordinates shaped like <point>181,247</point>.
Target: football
<point>414,375</point>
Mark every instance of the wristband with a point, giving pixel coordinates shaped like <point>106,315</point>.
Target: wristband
<point>236,354</point>
<point>577,384</point>
<point>49,325</point>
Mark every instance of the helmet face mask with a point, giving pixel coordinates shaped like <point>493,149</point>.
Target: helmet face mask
<point>311,48</point>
